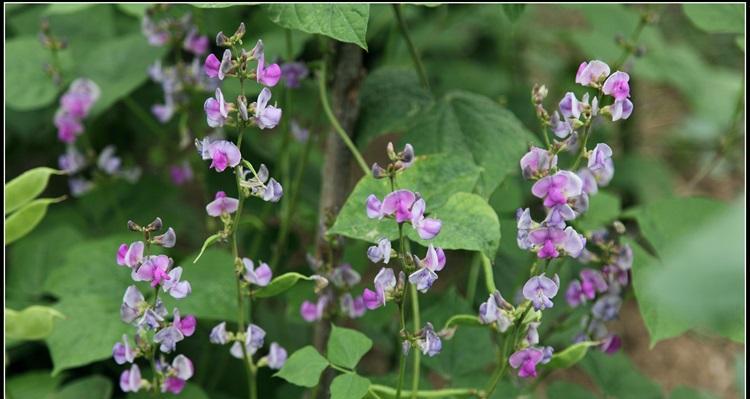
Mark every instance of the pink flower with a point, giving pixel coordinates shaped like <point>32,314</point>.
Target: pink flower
<point>398,203</point>
<point>558,188</point>
<point>195,43</point>
<point>427,228</point>
<point>80,97</point>
<point>526,360</point>
<point>267,75</point>
<point>154,270</point>
<point>266,116</point>
<point>68,127</point>
<point>621,109</point>
<point>591,73</point>
<point>131,255</point>
<point>222,205</point>
<point>617,86</point>
<point>211,66</point>
<point>223,154</point>
<point>217,110</point>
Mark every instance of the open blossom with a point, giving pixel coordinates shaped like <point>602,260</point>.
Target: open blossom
<point>617,86</point>
<point>540,289</point>
<point>560,126</point>
<point>433,262</point>
<point>311,311</point>
<point>133,304</point>
<point>166,240</point>
<point>215,68</point>
<point>495,310</point>
<point>293,73</point>
<point>180,371</point>
<point>343,276</point>
<point>217,110</point>
<point>385,283</point>
<point>398,204</point>
<point>154,270</point>
<point>169,336</point>
<point>266,116</point>
<point>259,276</point>
<point>592,282</point>
<point>222,205</point>
<point>80,97</point>
<point>607,307</point>
<point>620,109</point>
<point>428,341</point>
<point>130,380</point>
<point>254,337</point>
<point>352,307</point>
<point>68,127</point>
<point>173,286</point>
<point>72,161</point>
<point>195,43</point>
<point>427,228</point>
<point>525,361</point>
<point>122,352</point>
<point>260,185</point>
<point>223,154</point>
<point>558,188</point>
<point>276,356</point>
<point>549,241</point>
<point>570,107</point>
<point>380,252</point>
<point>525,224</point>
<point>267,75</point>
<point>537,163</point>
<point>130,255</point>
<point>591,73</point>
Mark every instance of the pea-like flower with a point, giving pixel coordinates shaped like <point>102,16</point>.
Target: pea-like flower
<point>495,310</point>
<point>428,341</point>
<point>122,352</point>
<point>588,180</point>
<point>617,86</point>
<point>130,380</point>
<point>133,304</point>
<point>525,360</point>
<point>385,283</point>
<point>560,126</point>
<point>313,311</point>
<point>549,241</point>
<point>343,276</point>
<point>427,228</point>
<point>532,334</point>
<point>217,110</point>
<point>195,43</point>
<point>620,109</point>
<point>293,73</point>
<point>72,161</point>
<point>68,126</point>
<point>80,97</point>
<point>154,270</point>
<point>352,307</point>
<point>570,107</point>
<point>607,307</point>
<point>537,162</point>
<point>222,205</point>
<point>558,188</point>
<point>223,154</point>
<point>601,165</point>
<point>130,255</point>
<point>169,336</point>
<point>259,276</point>
<point>374,207</point>
<point>592,282</point>
<point>276,356</point>
<point>540,289</point>
<point>166,240</point>
<point>380,252</point>
<point>398,204</point>
<point>525,224</point>
<point>173,286</point>
<point>267,75</point>
<point>180,371</point>
<point>433,262</point>
<point>219,334</point>
<point>611,344</point>
<point>266,116</point>
<point>254,337</point>
<point>592,73</point>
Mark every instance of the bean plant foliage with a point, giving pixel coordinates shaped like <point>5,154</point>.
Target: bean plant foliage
<point>356,201</point>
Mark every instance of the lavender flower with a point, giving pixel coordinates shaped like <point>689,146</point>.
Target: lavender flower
<point>260,276</point>
<point>540,289</point>
<point>526,360</point>
<point>428,341</point>
<point>222,205</point>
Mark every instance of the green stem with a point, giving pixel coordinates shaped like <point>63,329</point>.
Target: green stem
<point>473,281</point>
<point>437,393</point>
<point>489,276</point>
<point>402,358</point>
<point>335,123</point>
<point>412,49</point>
<point>417,355</point>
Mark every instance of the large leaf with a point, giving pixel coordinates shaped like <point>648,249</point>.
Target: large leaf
<point>388,99</point>
<point>303,367</point>
<point>28,85</point>
<point>603,208</point>
<point>91,326</point>
<point>94,387</point>
<point>349,386</point>
<point>701,253</point>
<point>24,188</point>
<point>24,220</point>
<point>346,346</point>
<point>618,378</point>
<point>34,322</point>
<point>32,385</point>
<point>343,22</point>
<point>717,18</point>
<point>477,129</point>
<point>567,390</point>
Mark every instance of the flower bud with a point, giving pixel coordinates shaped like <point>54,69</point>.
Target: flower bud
<point>391,152</point>
<point>242,107</point>
<point>132,226</point>
<point>222,40</point>
<point>619,227</point>
<point>240,32</point>
<point>155,225</point>
<point>378,172</point>
<point>539,93</point>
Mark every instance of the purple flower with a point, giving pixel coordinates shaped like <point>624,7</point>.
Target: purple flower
<point>427,228</point>
<point>107,160</point>
<point>617,86</point>
<point>344,276</point>
<point>180,328</point>
<point>624,259</point>
<point>380,252</point>
<point>548,241</point>
<point>524,224</point>
<point>267,75</point>
<point>536,163</point>
<point>428,341</point>
<point>133,304</point>
<point>494,311</point>
<point>433,262</point>
<point>532,334</point>
<point>153,317</point>
<point>607,307</point>
<point>588,181</point>
<point>574,294</point>
<point>260,276</point>
<point>547,351</point>
<point>68,127</point>
<point>616,277</point>
<point>558,215</point>
<point>224,154</point>
<point>130,256</point>
<point>166,240</point>
<point>212,66</point>
<point>217,110</point>
<point>222,205</point>
<point>560,126</point>
<point>300,134</point>
<point>540,289</point>
<point>599,157</point>
<point>219,334</point>
<point>398,204</point>
<point>374,207</point>
<point>176,288</point>
<point>570,107</point>
<point>423,279</point>
<point>276,356</point>
<point>154,269</point>
<point>293,73</point>
<point>309,311</point>
<point>182,370</point>
<point>173,385</point>
<point>72,161</point>
<point>558,188</point>
<point>385,283</point>
<point>272,191</point>
<point>611,344</point>
<point>254,337</point>
<point>266,116</point>
<point>155,34</point>
<point>195,43</point>
<point>163,112</point>
<point>591,73</point>
<point>122,351</point>
<point>526,360</point>
<point>181,174</point>
<point>620,109</point>
<point>592,282</point>
<point>79,98</point>
<point>130,380</point>
<point>353,307</point>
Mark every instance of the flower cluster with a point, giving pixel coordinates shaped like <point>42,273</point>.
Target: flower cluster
<point>75,106</point>
<point>153,330</point>
<point>342,278</point>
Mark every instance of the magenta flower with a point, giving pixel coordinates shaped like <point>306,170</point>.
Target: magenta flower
<point>181,370</point>
<point>592,282</point>
<point>276,356</point>
<point>154,269</point>
<point>267,75</point>
<point>68,126</point>
<point>353,307</point>
<point>617,86</point>
<point>130,256</point>
<point>558,188</point>
<point>79,98</point>
<point>181,173</point>
<point>611,344</point>
<point>550,240</point>
<point>570,107</point>
<point>195,43</point>
<point>309,311</point>
<point>266,116</point>
<point>591,73</point>
<point>169,336</point>
<point>537,162</point>
<point>222,205</point>
<point>540,289</point>
<point>526,360</point>
<point>130,380</point>
<point>574,294</point>
<point>260,276</point>
<point>224,154</point>
<point>398,204</point>
<point>212,66</point>
<point>427,228</point>
<point>122,352</point>
<point>217,110</point>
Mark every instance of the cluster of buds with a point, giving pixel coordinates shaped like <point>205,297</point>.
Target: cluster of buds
<point>154,335</point>
<point>342,279</point>
<point>53,44</point>
<point>399,162</point>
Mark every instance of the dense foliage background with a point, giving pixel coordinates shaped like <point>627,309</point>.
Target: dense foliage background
<point>683,322</point>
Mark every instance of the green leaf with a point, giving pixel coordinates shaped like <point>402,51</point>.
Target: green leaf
<point>65,8</point>
<point>389,98</point>
<point>570,355</point>
<point>343,22</point>
<point>513,11</point>
<point>717,18</point>
<point>303,367</point>
<point>617,377</point>
<point>91,326</point>
<point>463,320</point>
<point>349,386</point>
<point>24,188</point>
<point>209,241</point>
<point>700,244</point>
<point>136,10</point>
<point>28,85</point>
<point>34,322</point>
<point>94,387</point>
<point>280,284</point>
<point>346,347</point>
<point>603,208</point>
<point>477,129</point>
<point>567,390</point>
<point>32,385</point>
<point>24,220</point>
